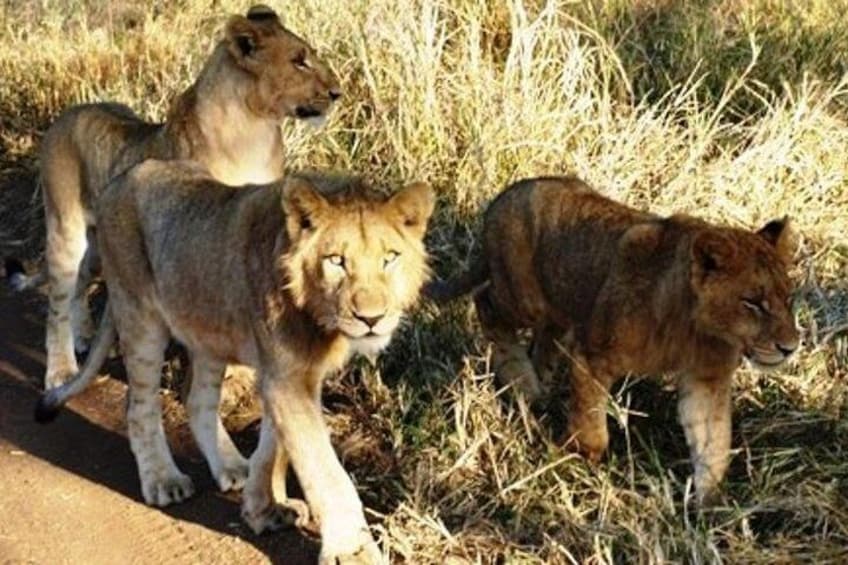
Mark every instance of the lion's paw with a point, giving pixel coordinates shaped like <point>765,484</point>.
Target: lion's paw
<point>268,519</point>
<point>232,475</point>
<point>591,443</point>
<point>82,343</point>
<point>162,491</point>
<point>707,488</point>
<point>57,378</point>
<point>272,517</point>
<point>298,512</point>
<point>362,550</point>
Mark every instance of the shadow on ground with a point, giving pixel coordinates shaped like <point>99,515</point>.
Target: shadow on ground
<point>88,440</point>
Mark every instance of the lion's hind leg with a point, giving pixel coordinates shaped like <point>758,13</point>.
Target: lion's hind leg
<point>228,466</point>
<point>510,361</point>
<point>144,336</point>
<point>546,354</point>
<point>82,325</point>
<point>62,182</point>
<point>66,245</point>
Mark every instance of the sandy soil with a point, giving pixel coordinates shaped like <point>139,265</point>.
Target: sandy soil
<point>69,491</point>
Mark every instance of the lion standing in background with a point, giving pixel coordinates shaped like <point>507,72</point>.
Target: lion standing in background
<point>623,292</point>
<point>227,121</point>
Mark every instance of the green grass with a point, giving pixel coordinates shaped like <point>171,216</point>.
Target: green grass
<point>735,111</point>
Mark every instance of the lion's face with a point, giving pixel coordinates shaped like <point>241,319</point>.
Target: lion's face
<point>357,260</point>
<point>743,291</point>
<point>288,79</point>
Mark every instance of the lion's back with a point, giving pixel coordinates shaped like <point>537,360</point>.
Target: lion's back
<point>549,244</point>
<point>99,140</point>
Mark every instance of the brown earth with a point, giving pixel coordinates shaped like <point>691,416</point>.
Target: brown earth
<point>69,491</point>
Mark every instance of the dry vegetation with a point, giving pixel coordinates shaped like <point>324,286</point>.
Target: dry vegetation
<point>733,110</point>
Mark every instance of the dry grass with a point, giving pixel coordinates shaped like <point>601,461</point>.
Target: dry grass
<point>736,111</point>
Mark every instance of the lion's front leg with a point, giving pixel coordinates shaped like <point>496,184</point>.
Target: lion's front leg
<point>705,413</point>
<point>587,420</point>
<point>265,503</point>
<point>294,408</point>
<point>296,508</point>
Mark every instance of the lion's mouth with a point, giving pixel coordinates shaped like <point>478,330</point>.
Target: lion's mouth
<point>305,112</point>
<point>370,334</point>
<point>764,360</point>
<point>374,329</point>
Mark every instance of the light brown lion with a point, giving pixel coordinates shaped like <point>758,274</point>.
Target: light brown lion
<point>290,278</point>
<point>622,291</point>
<point>227,121</point>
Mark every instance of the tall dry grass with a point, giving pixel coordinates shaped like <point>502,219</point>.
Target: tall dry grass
<point>735,111</point>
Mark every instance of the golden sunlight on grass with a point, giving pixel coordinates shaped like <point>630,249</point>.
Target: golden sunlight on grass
<point>733,111</point>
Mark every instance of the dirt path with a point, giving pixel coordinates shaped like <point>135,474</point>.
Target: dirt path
<point>69,491</point>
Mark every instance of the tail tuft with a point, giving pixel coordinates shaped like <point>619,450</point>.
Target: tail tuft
<point>16,276</point>
<point>46,409</point>
<point>50,404</point>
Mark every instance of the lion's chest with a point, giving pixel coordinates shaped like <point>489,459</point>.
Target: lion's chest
<point>250,154</point>
<point>258,169</point>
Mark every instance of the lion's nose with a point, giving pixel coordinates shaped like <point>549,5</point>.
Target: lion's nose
<point>368,307</point>
<point>369,321</point>
<point>335,94</point>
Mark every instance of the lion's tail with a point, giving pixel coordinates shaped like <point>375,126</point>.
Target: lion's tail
<point>51,402</point>
<point>469,281</point>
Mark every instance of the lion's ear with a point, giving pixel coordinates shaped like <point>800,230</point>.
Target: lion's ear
<point>711,253</point>
<point>263,13</point>
<point>243,39</point>
<point>780,234</point>
<point>245,34</point>
<point>303,206</point>
<point>413,205</point>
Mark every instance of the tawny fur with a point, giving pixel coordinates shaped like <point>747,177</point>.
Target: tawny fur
<point>227,121</point>
<point>289,278</point>
<point>623,291</point>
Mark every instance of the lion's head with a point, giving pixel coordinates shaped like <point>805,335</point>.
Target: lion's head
<point>743,291</point>
<point>289,79</point>
<point>356,259</point>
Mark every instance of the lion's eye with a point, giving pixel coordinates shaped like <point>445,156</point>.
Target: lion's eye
<point>755,306</point>
<point>335,260</point>
<point>300,61</point>
<point>390,258</point>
